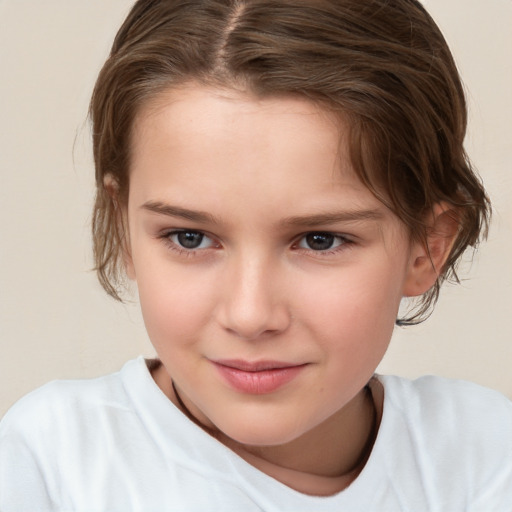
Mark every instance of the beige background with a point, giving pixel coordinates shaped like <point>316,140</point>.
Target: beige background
<point>55,321</point>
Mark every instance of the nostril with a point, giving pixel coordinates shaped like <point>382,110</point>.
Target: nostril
<point>256,324</point>
<point>255,335</point>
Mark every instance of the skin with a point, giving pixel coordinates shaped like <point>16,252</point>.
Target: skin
<point>265,173</point>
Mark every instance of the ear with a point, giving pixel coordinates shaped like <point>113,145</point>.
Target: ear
<point>429,256</point>
<point>111,186</point>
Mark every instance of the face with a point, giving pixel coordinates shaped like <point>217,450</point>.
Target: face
<point>269,277</point>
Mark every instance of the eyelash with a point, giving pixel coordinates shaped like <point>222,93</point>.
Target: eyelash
<point>344,242</point>
<point>173,246</point>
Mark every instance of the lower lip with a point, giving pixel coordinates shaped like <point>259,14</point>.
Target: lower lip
<point>260,382</point>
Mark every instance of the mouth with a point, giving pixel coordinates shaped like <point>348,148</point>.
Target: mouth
<point>257,378</point>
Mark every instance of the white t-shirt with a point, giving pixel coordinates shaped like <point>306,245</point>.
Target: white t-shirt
<point>117,444</point>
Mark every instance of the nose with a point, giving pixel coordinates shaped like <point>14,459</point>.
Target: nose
<point>254,303</point>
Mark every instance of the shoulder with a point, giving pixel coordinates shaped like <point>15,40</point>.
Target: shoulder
<point>448,402</point>
<point>47,431</point>
<point>60,403</point>
<point>457,434</point>
<point>62,442</point>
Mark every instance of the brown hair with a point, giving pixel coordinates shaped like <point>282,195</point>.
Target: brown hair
<point>382,64</point>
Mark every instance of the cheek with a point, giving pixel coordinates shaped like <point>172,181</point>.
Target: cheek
<point>174,306</point>
<point>352,324</point>
<point>358,306</point>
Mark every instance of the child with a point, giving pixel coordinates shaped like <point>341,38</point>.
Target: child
<point>275,177</point>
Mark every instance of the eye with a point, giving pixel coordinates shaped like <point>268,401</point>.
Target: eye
<point>321,241</point>
<point>190,240</point>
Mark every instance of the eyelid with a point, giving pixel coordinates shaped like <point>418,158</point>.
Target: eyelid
<point>165,236</point>
<point>337,240</point>
<point>204,238</point>
<point>345,241</point>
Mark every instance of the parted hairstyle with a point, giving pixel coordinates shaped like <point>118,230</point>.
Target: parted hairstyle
<point>383,65</point>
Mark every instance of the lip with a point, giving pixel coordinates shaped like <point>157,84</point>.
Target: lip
<point>257,378</point>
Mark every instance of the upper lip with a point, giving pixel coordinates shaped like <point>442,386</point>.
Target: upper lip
<point>255,366</point>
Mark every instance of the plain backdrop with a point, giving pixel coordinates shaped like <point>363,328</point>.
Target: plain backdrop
<point>55,320</point>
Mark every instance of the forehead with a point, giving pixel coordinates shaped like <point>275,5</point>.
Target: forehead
<point>197,139</point>
<point>225,120</point>
<point>193,106</point>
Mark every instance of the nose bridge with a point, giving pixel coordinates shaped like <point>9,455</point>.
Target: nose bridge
<point>254,303</point>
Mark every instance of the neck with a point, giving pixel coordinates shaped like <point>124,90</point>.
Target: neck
<point>322,462</point>
<point>328,458</point>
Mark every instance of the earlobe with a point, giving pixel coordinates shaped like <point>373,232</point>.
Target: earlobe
<point>429,256</point>
<point>111,186</point>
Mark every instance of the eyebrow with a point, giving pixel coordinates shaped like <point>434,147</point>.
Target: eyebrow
<point>177,211</point>
<point>298,220</point>
<point>334,217</point>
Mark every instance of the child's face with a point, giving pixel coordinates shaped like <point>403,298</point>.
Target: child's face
<point>252,241</point>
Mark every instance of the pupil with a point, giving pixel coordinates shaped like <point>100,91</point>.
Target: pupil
<point>320,241</point>
<point>190,239</point>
